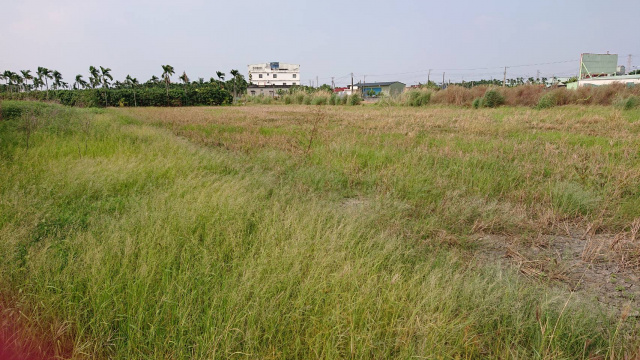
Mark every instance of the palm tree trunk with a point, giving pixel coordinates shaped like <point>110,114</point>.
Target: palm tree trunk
<point>166,84</point>
<point>47,82</point>
<point>135,103</point>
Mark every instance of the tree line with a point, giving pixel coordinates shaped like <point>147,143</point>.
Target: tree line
<point>100,78</point>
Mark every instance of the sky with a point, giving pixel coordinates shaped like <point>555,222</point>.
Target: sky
<point>382,40</point>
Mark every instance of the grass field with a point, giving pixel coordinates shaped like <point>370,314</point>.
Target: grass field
<point>305,232</point>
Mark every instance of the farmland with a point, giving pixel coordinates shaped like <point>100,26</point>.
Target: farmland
<point>272,231</point>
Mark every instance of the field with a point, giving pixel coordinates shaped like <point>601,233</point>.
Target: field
<point>319,232</point>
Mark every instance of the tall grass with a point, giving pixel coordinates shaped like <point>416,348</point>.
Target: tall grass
<point>123,240</point>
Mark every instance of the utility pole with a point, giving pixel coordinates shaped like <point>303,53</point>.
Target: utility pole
<point>538,75</point>
<point>365,79</point>
<point>443,80</point>
<point>429,77</point>
<point>628,63</point>
<point>504,79</point>
<point>333,84</point>
<point>351,83</point>
<point>317,83</point>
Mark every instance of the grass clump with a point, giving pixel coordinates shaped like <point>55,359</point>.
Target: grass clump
<point>354,99</point>
<point>417,98</point>
<point>628,103</point>
<point>319,100</point>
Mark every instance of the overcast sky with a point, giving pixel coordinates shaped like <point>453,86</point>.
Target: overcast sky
<point>385,40</point>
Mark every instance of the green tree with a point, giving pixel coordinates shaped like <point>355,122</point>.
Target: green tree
<point>105,77</point>
<point>220,75</point>
<point>26,74</point>
<point>167,71</point>
<point>94,77</point>
<point>6,75</point>
<point>235,74</point>
<point>79,82</point>
<point>46,74</point>
<point>57,79</point>
<point>185,80</point>
<point>132,82</point>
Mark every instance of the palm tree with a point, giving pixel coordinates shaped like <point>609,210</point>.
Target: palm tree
<point>26,74</point>
<point>2,76</point>
<point>94,78</point>
<point>57,78</point>
<point>185,80</point>
<point>6,75</point>
<point>37,83</point>
<point>167,71</point>
<point>220,75</point>
<point>46,74</point>
<point>105,76</point>
<point>79,82</point>
<point>154,80</point>
<point>132,82</point>
<point>18,80</point>
<point>235,74</point>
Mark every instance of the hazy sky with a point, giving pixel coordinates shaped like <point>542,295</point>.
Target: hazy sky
<point>385,40</point>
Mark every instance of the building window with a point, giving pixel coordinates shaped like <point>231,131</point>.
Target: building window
<point>275,76</point>
<point>284,83</point>
<point>253,92</point>
<point>260,76</point>
<point>294,76</point>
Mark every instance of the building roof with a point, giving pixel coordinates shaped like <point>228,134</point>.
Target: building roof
<point>617,77</point>
<point>384,83</point>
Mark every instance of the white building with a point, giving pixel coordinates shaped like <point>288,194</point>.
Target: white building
<point>274,74</point>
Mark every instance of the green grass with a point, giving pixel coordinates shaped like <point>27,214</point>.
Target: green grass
<point>126,236</point>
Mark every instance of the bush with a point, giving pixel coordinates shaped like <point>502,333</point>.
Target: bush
<point>319,100</point>
<point>477,103</point>
<point>629,103</point>
<point>492,99</point>
<point>354,99</point>
<point>307,100</point>
<point>288,99</point>
<point>300,98</point>
<point>333,99</point>
<point>418,98</point>
<point>546,101</point>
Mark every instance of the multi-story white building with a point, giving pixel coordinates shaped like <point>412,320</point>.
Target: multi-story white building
<point>274,74</point>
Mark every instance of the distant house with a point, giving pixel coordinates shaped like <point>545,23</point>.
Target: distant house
<point>267,78</point>
<point>389,88</point>
<point>629,80</point>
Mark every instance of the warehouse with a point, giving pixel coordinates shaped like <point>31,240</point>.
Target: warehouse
<point>390,88</point>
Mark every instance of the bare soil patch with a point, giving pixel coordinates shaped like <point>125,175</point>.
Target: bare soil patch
<point>604,266</point>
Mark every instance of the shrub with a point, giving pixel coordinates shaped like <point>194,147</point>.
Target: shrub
<point>299,98</point>
<point>288,99</point>
<point>417,98</point>
<point>307,100</point>
<point>629,103</point>
<point>333,99</point>
<point>354,99</point>
<point>492,99</point>
<point>477,103</point>
<point>319,100</point>
<point>546,101</point>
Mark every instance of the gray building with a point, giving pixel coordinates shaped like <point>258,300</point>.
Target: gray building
<point>388,88</point>
<point>271,90</point>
